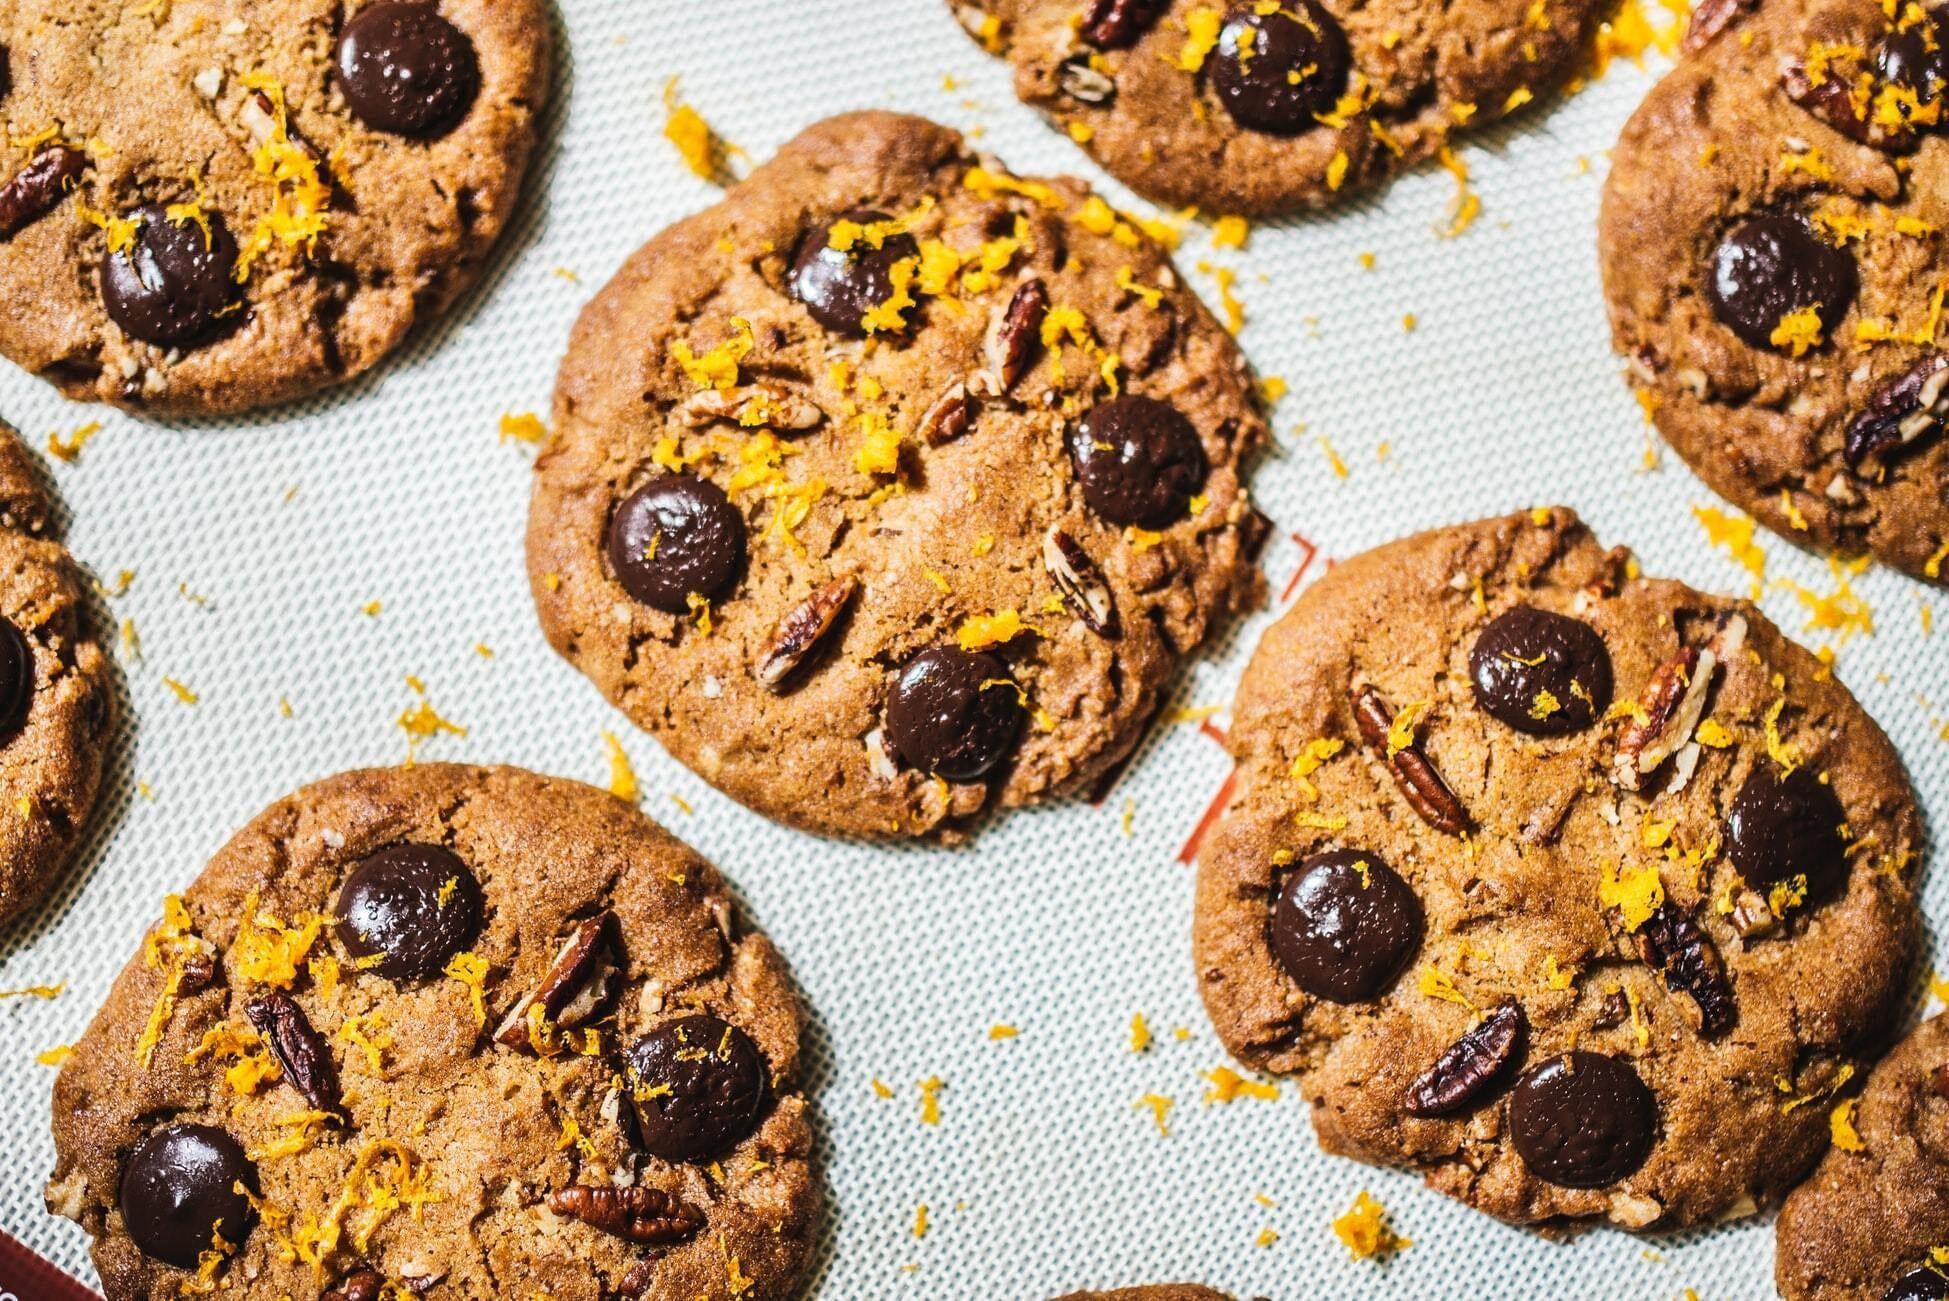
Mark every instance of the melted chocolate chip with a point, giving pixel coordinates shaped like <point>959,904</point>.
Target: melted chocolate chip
<point>179,1188</point>
<point>1138,460</point>
<point>1344,924</point>
<point>839,287</point>
<point>676,537</point>
<point>1583,1120</point>
<point>16,679</point>
<point>173,286</point>
<point>1916,57</point>
<point>405,69</point>
<point>953,713</point>
<point>1920,1284</point>
<point>1780,827</point>
<point>699,1085</point>
<point>1541,673</point>
<point>1772,265</point>
<point>414,906</point>
<point>1292,65</point>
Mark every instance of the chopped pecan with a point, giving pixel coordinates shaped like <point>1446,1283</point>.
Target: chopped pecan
<point>1752,917</point>
<point>1424,788</point>
<point>37,187</point>
<point>1612,1010</point>
<point>580,982</point>
<point>1901,412</point>
<point>1078,78</point>
<point>1017,334</point>
<point>637,1281</point>
<point>1080,582</point>
<point>645,1216</point>
<point>799,633</point>
<point>1470,1065</point>
<point>1116,24</point>
<point>300,1051</point>
<point>1674,701</point>
<point>750,404</point>
<point>1711,17</point>
<point>950,417</point>
<point>1831,99</point>
<point>879,756</point>
<point>360,1285</point>
<point>1675,944</point>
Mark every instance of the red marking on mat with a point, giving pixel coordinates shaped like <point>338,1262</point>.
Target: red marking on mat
<point>24,1276</point>
<point>1308,549</point>
<point>1218,802</point>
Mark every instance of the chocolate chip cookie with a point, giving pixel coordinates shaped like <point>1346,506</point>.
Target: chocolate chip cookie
<point>210,205</point>
<point>1577,891</point>
<point>443,1030</point>
<point>1771,241</point>
<point>1872,1224</point>
<point>895,485</point>
<point>57,705</point>
<point>1259,106</point>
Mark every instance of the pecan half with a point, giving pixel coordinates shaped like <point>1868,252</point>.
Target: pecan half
<point>1078,78</point>
<point>1469,1066</point>
<point>752,405</point>
<point>645,1216</point>
<point>300,1051</point>
<point>950,417</point>
<point>1677,946</point>
<point>578,985</point>
<point>1831,99</point>
<point>360,1285</point>
<point>1080,582</point>
<point>1116,24</point>
<point>799,633</point>
<point>1711,17</point>
<point>1674,701</point>
<point>34,190</point>
<point>1901,412</point>
<point>1424,788</point>
<point>1017,334</point>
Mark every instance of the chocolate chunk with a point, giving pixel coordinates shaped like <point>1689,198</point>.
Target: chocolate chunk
<point>413,906</point>
<point>48,177</point>
<point>1117,24</point>
<point>699,1085</point>
<point>1923,1283</point>
<point>1138,460</point>
<point>1344,924</point>
<point>1470,1066</point>
<point>1582,1120</point>
<point>953,713</point>
<point>1782,827</point>
<point>839,287</point>
<point>1274,71</point>
<point>1770,266</point>
<point>299,1050</point>
<point>405,69</point>
<point>16,679</point>
<point>179,1190</point>
<point>1541,673</point>
<point>676,537</point>
<point>173,286</point>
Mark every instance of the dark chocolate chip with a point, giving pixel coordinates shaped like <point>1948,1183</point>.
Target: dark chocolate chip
<point>1582,1120</point>
<point>414,906</point>
<point>1924,1283</point>
<point>179,1189</point>
<point>676,537</point>
<point>1139,461</point>
<point>1541,673</point>
<point>174,285</point>
<point>48,177</point>
<point>839,287</point>
<point>699,1085</point>
<point>1344,924</point>
<point>1782,827</point>
<point>953,713</point>
<point>405,69</point>
<point>1770,266</point>
<point>16,679</point>
<point>1117,24</point>
<point>1916,57</point>
<point>1291,66</point>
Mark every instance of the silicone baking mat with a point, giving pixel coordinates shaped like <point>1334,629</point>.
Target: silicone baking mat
<point>259,545</point>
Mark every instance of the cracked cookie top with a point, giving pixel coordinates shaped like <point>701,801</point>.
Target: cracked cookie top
<point>1604,955</point>
<point>451,1029</point>
<point>894,485</point>
<point>212,205</point>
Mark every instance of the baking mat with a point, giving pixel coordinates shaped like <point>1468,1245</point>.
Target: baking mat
<point>258,547</point>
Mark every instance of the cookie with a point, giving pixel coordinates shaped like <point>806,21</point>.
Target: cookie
<point>443,1030</point>
<point>1574,890</point>
<point>1154,1292</point>
<point>212,205</point>
<point>57,704</point>
<point>1771,252</point>
<point>1258,108</point>
<point>894,486</point>
<point>1872,1224</point>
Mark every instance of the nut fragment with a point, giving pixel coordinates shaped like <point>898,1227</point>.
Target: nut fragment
<point>1675,944</point>
<point>799,633</point>
<point>1832,100</point>
<point>360,1285</point>
<point>36,188</point>
<point>1939,1081</point>
<point>300,1051</point>
<point>751,405</point>
<point>950,417</point>
<point>645,1216</point>
<point>1017,334</point>
<point>1712,17</point>
<point>1079,80</point>
<point>1080,582</point>
<point>640,1276</point>
<point>1903,410</point>
<point>578,985</point>
<point>1470,1065</point>
<point>1114,24</point>
<point>1752,918</point>
<point>1424,788</point>
<point>1674,701</point>
<point>879,759</point>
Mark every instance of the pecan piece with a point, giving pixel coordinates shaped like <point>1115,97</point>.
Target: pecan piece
<point>1424,788</point>
<point>1711,17</point>
<point>638,1280</point>
<point>581,980</point>
<point>1901,412</point>
<point>1752,917</point>
<point>1080,582</point>
<point>1831,99</point>
<point>950,417</point>
<point>1674,701</point>
<point>1939,1081</point>
<point>1078,78</point>
<point>34,190</point>
<point>360,1285</point>
<point>1467,1067</point>
<point>1017,334</point>
<point>799,633</point>
<point>645,1216</point>
<point>1116,24</point>
<point>300,1051</point>
<point>1675,944</point>
<point>751,405</point>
